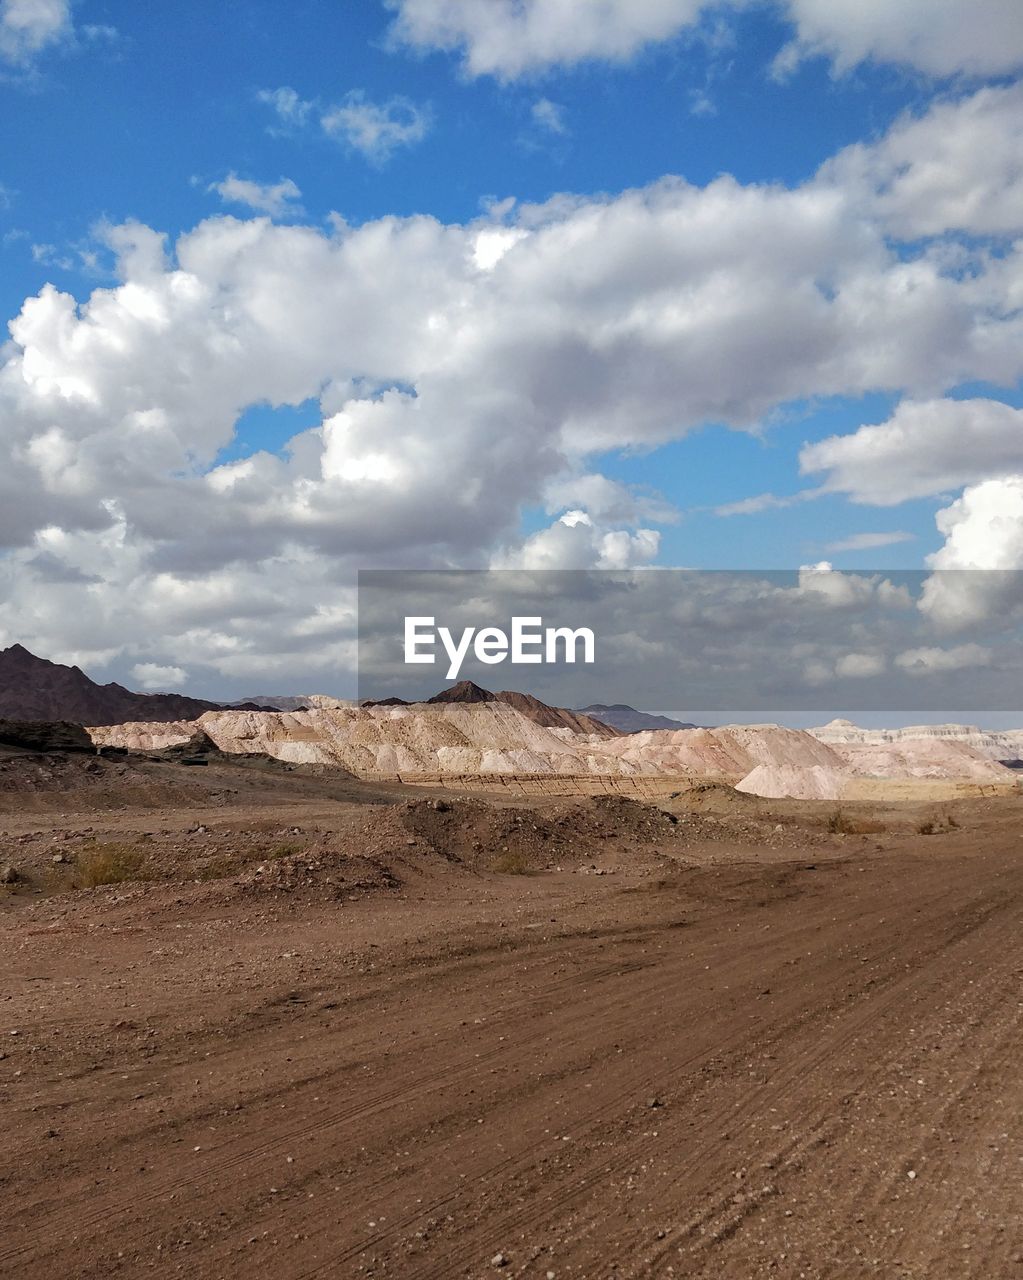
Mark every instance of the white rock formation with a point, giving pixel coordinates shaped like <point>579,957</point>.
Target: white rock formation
<point>493,737</point>
<point>996,744</point>
<point>812,782</point>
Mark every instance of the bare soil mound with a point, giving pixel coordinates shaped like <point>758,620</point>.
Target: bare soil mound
<point>816,782</point>
<point>715,797</point>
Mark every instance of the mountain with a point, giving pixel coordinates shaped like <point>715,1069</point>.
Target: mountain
<point>464,691</point>
<point>33,688</point>
<point>628,720</point>
<point>274,702</point>
<point>556,717</point>
<point>532,708</point>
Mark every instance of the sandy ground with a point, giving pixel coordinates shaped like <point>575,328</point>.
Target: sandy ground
<point>754,1046</point>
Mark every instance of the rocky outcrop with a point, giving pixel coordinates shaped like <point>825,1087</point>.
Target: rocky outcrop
<point>45,736</point>
<point>921,746</point>
<point>33,688</point>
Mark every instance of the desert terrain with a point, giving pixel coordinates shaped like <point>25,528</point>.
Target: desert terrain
<point>274,1020</point>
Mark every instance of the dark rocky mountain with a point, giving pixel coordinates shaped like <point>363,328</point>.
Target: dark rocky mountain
<point>272,702</point>
<point>556,717</point>
<point>33,688</point>
<point>628,720</point>
<point>464,691</point>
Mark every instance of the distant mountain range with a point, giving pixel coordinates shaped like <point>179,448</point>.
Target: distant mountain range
<point>535,710</point>
<point>33,688</point>
<point>628,720</point>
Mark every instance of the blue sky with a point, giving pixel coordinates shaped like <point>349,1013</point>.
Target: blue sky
<point>122,115</point>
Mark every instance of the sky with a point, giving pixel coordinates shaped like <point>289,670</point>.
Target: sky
<point>293,290</point>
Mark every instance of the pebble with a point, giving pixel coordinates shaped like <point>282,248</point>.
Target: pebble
<point>499,1260</point>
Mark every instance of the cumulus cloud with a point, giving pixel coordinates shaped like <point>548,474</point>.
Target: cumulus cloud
<point>279,199</point>
<point>938,37</point>
<point>512,38</point>
<point>983,528</point>
<point>919,451</point>
<point>463,372</point>
<point>980,567</point>
<point>930,660</point>
<point>956,167</point>
<point>575,542</point>
<point>859,666</point>
<point>607,500</point>
<point>151,675</point>
<point>27,27</point>
<point>836,589</point>
<point>509,39</point>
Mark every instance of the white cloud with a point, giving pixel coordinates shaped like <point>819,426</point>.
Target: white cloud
<point>27,27</point>
<point>845,591</point>
<point>957,167</point>
<point>376,129</point>
<point>607,501</point>
<point>869,541</point>
<point>464,372</point>
<point>152,676</point>
<point>279,199</point>
<point>701,103</point>
<point>983,528</point>
<point>50,256</point>
<point>938,37</point>
<point>549,115</point>
<point>928,660</point>
<point>508,39</point>
<point>512,38</point>
<point>575,542</point>
<point>926,447</point>
<point>983,551</point>
<point>859,666</point>
<point>760,502</point>
<point>291,110</point>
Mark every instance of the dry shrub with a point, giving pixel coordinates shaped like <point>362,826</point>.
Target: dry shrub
<point>286,849</point>
<point>100,864</point>
<point>937,826</point>
<point>844,824</point>
<point>512,863</point>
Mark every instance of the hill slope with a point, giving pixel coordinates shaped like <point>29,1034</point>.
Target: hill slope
<point>627,719</point>
<point>33,688</point>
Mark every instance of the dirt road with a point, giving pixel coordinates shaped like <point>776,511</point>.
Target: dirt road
<point>809,1068</point>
